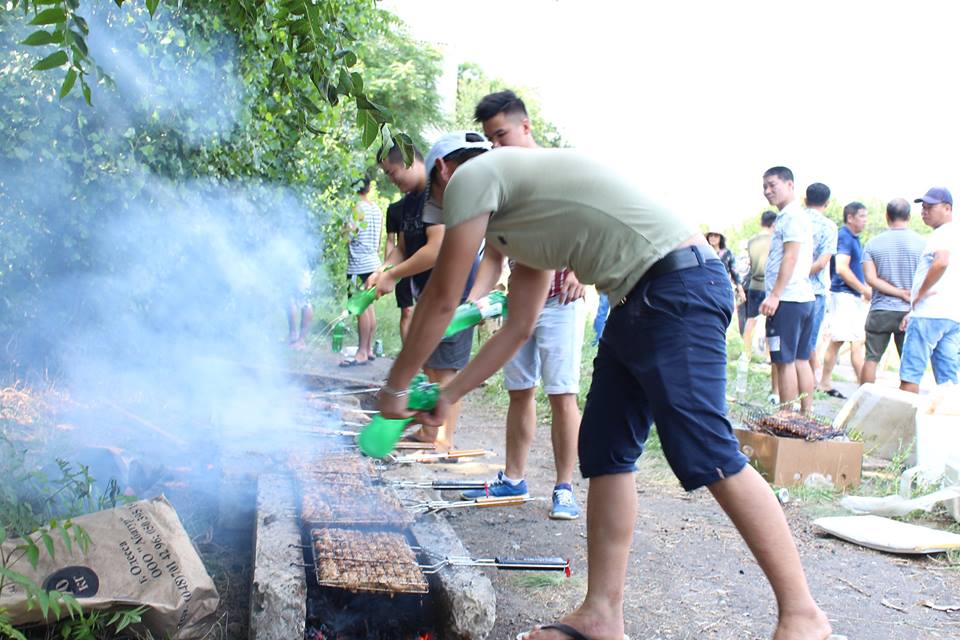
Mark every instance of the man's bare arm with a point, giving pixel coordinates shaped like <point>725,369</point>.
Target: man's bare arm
<point>528,292</point>
<point>941,260</point>
<point>881,285</point>
<point>491,266</point>
<point>820,264</point>
<point>791,252</point>
<point>847,275</point>
<point>440,298</point>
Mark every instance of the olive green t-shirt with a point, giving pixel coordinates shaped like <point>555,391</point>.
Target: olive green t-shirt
<point>555,208</point>
<point>758,247</point>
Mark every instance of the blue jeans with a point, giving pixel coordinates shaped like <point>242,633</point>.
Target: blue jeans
<point>603,309</point>
<point>934,340</point>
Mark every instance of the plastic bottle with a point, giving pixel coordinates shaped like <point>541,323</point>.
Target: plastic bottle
<point>360,301</point>
<point>472,313</point>
<point>743,372</point>
<point>336,336</point>
<point>380,436</point>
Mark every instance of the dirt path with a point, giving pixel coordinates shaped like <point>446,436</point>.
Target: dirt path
<point>690,575</point>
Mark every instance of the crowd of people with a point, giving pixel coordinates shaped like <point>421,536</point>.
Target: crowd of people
<point>478,204</point>
<point>816,284</point>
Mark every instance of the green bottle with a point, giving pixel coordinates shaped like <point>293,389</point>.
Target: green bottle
<point>359,302</point>
<point>473,313</point>
<point>380,436</point>
<point>336,336</point>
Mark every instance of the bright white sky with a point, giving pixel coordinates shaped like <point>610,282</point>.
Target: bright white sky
<point>695,99</point>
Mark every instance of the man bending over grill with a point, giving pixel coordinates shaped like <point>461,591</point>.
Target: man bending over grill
<point>662,359</point>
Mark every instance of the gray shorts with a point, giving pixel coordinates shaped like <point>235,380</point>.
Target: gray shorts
<point>453,352</point>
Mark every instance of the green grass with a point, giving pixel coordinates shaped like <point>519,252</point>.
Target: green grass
<point>545,581</point>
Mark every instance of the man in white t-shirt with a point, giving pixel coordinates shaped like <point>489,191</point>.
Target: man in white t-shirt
<point>933,324</point>
<point>789,304</point>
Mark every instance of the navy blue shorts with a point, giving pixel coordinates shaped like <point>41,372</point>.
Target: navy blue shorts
<point>788,332</point>
<point>754,298</point>
<point>663,359</point>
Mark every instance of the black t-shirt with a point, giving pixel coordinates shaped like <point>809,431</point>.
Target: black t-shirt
<point>414,230</point>
<point>394,217</point>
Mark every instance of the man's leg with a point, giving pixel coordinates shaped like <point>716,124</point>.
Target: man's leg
<point>442,435</point>
<point>748,328</point>
<point>857,357</point>
<point>829,361</point>
<point>868,373</point>
<point>306,319</point>
<point>564,428</point>
<point>805,385</point>
<point>611,513</point>
<point>366,324</point>
<point>293,334</point>
<point>406,313</point>
<point>521,426</point>
<point>787,380</point>
<point>748,501</point>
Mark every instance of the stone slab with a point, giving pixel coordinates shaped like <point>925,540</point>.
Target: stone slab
<point>278,597</point>
<point>886,419</point>
<point>465,595</point>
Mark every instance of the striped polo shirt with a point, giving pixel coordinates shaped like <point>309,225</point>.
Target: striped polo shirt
<point>895,253</point>
<point>364,249</point>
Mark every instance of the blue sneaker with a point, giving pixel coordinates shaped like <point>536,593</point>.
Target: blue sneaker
<point>499,488</point>
<point>564,504</point>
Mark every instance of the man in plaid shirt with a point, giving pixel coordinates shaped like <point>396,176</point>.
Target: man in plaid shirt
<point>552,354</point>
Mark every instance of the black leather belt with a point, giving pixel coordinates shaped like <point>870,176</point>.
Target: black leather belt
<point>678,259</point>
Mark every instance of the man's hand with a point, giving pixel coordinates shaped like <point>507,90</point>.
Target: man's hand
<point>866,294</point>
<point>741,294</point>
<point>572,290</point>
<point>373,278</point>
<point>770,305</point>
<point>393,407</point>
<point>386,283</point>
<point>903,323</point>
<point>438,416</point>
<point>904,294</point>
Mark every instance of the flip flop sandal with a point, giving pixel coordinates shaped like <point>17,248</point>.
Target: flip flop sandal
<point>348,363</point>
<point>562,628</point>
<point>833,393</point>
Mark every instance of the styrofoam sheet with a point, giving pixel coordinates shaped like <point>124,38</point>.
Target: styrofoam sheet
<point>892,536</point>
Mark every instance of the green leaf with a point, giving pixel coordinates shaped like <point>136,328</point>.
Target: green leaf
<point>357,82</point>
<point>152,6</point>
<point>52,61</point>
<point>3,534</point>
<point>65,531</point>
<point>32,552</point>
<point>55,603</point>
<point>81,24</point>
<point>40,38</point>
<point>86,96</point>
<point>44,601</point>
<point>50,16</point>
<point>68,82</point>
<point>47,543</point>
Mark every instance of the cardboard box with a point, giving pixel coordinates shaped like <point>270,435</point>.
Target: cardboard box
<point>787,462</point>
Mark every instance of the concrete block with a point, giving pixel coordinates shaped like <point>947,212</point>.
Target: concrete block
<point>885,417</point>
<point>278,598</point>
<point>465,595</point>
